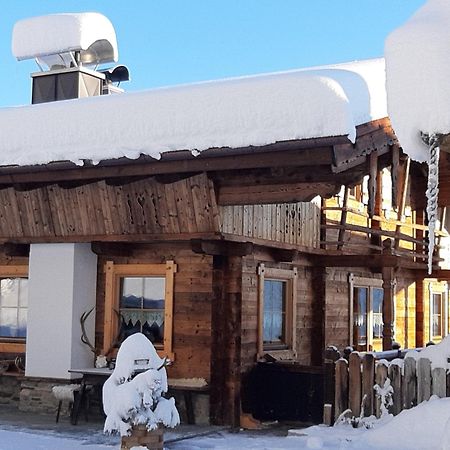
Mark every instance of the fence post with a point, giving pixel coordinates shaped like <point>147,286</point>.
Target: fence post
<point>381,372</point>
<point>395,375</point>
<point>409,383</point>
<point>368,381</point>
<point>439,380</point>
<point>341,390</point>
<point>331,355</point>
<point>423,380</point>
<point>354,372</point>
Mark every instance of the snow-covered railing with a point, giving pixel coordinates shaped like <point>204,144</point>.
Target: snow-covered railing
<point>367,384</point>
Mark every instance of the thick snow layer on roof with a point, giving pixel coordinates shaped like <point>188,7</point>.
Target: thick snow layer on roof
<point>240,112</point>
<point>59,33</point>
<point>418,74</point>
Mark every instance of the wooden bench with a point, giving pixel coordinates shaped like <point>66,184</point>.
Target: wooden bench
<point>187,387</point>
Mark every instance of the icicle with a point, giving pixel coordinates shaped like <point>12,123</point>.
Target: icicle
<point>432,192</point>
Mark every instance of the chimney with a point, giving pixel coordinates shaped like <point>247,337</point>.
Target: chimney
<point>68,49</point>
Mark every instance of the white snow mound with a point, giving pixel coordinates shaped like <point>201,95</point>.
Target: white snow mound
<point>418,73</point>
<point>91,33</point>
<point>240,112</point>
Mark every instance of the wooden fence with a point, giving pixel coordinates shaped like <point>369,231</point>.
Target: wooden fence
<point>362,384</point>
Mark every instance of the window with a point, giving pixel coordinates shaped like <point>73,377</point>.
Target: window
<point>366,297</point>
<point>277,305</point>
<point>139,298</point>
<point>437,316</point>
<point>355,192</point>
<point>438,310</point>
<point>142,306</point>
<point>13,308</point>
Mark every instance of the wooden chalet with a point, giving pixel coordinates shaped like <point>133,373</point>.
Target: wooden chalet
<point>232,260</point>
<point>221,229</point>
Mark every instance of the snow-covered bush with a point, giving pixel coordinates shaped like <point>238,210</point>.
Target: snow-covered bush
<point>138,400</point>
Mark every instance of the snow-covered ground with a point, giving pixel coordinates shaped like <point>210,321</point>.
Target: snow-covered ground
<point>425,427</point>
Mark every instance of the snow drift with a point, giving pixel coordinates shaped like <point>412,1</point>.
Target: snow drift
<point>417,77</point>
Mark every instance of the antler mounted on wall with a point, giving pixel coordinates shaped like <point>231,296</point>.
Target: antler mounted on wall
<point>100,359</point>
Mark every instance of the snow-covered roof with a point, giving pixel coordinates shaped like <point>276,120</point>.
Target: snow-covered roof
<point>240,112</point>
<point>418,74</point>
<point>90,33</point>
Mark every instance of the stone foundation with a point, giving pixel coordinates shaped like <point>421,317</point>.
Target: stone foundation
<point>35,395</point>
<point>29,394</point>
<point>10,390</point>
<point>200,403</point>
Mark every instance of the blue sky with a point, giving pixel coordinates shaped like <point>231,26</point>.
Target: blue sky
<point>165,42</point>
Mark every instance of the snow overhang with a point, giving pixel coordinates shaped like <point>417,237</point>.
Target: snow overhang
<point>242,112</point>
<point>91,34</point>
<point>418,73</point>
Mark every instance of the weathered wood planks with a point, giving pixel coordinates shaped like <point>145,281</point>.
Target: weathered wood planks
<point>100,209</point>
<point>296,223</point>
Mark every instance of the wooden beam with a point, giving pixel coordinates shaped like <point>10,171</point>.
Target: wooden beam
<point>395,170</point>
<point>274,193</point>
<point>369,261</point>
<point>343,218</point>
<point>112,248</point>
<point>221,248</point>
<point>10,249</point>
<point>135,238</point>
<point>400,194</point>
<point>388,297</point>
<point>283,255</point>
<point>276,155</point>
<point>373,174</point>
<point>226,332</point>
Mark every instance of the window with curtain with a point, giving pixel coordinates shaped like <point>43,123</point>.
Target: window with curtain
<point>13,308</point>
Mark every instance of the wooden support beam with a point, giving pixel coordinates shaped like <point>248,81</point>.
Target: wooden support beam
<point>10,249</point>
<point>400,195</point>
<point>283,255</point>
<point>372,261</point>
<point>292,153</point>
<point>226,305</point>
<point>112,248</point>
<point>221,248</point>
<point>373,174</point>
<point>274,193</point>
<point>343,222</point>
<point>388,298</point>
<point>395,167</point>
<point>442,220</point>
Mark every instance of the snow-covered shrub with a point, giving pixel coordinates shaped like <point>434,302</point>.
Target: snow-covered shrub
<point>129,401</point>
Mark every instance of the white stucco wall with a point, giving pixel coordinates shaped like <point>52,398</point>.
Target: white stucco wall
<point>62,285</point>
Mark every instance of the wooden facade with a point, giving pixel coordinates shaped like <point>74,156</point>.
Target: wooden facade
<point>223,216</point>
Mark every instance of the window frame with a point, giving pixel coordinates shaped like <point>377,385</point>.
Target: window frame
<point>8,344</point>
<point>113,274</point>
<point>442,290</point>
<point>370,284</point>
<point>290,277</point>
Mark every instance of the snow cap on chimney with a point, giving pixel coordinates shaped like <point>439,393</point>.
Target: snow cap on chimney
<point>58,39</point>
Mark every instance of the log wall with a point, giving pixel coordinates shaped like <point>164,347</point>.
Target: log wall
<point>337,310</point>
<point>304,313</point>
<point>193,292</point>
